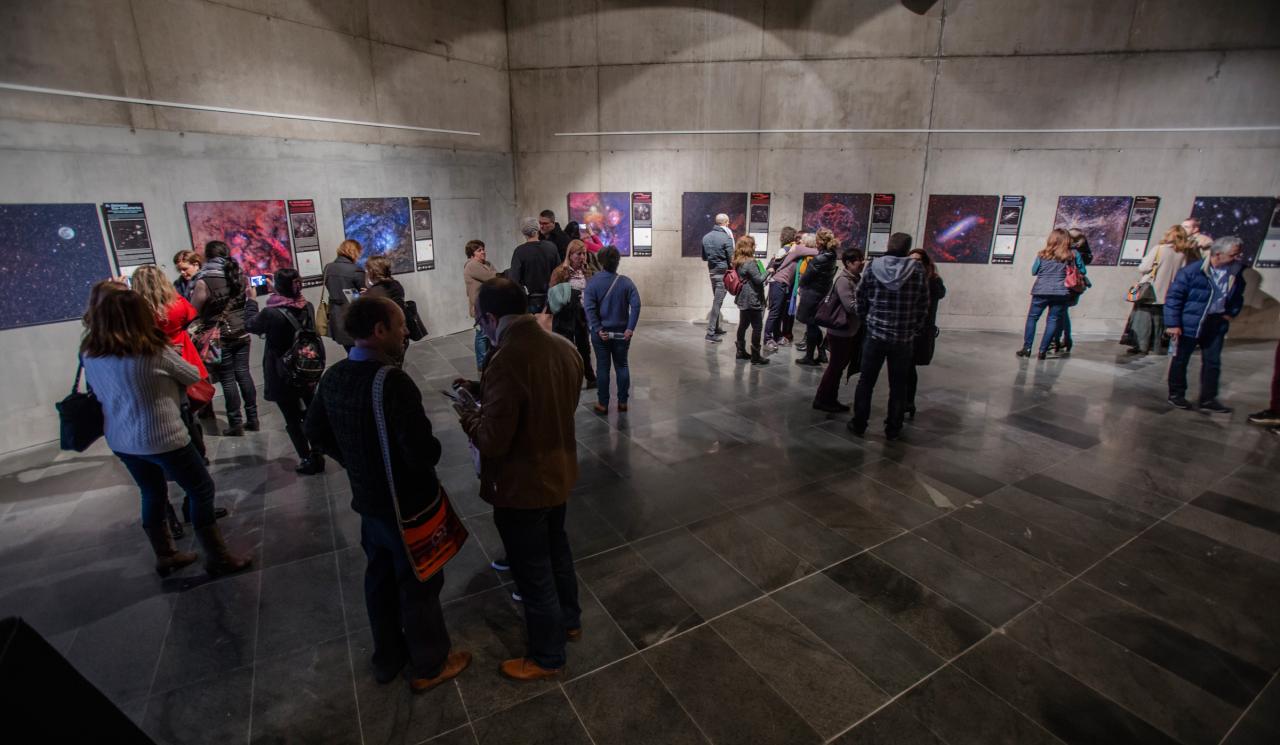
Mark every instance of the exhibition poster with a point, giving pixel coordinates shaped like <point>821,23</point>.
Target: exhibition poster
<point>1269,254</point>
<point>605,213</point>
<point>306,241</point>
<point>382,226</point>
<point>424,247</point>
<point>52,255</point>
<point>129,234</point>
<point>844,214</point>
<point>257,232</point>
<point>1102,220</point>
<point>958,228</point>
<point>642,223</point>
<point>1138,235</point>
<point>1008,225</point>
<point>758,222</point>
<point>881,223</point>
<point>698,210</point>
<point>1247,218</point>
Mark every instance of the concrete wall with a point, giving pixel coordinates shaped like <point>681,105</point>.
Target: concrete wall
<point>582,65</point>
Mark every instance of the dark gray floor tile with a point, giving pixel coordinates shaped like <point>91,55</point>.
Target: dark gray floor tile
<point>546,720</point>
<point>871,494</point>
<point>1261,724</point>
<point>1063,521</point>
<point>886,654</point>
<point>118,654</point>
<point>1238,509</point>
<point>761,559</point>
<point>468,573</point>
<point>892,725</point>
<point>959,583</point>
<point>300,606</point>
<point>463,735</point>
<point>1118,516</point>
<point>799,532</point>
<point>927,489</point>
<point>638,599</point>
<point>212,631</point>
<point>351,565</point>
<point>927,616</point>
<point>842,516</point>
<point>589,533</point>
<point>1064,553</point>
<point>822,686</point>
<point>1065,435</point>
<point>961,712</point>
<point>1020,571</point>
<point>306,696</point>
<point>392,713</point>
<point>297,530</point>
<point>725,697</point>
<point>627,704</point>
<point>702,578</point>
<point>1230,531</point>
<point>212,712</point>
<point>1061,704</point>
<point>1100,483</point>
<point>602,641</point>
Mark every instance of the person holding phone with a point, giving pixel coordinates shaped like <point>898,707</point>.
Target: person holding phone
<point>219,297</point>
<point>612,304</point>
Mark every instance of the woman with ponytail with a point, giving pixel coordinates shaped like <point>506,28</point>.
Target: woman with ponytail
<point>219,298</point>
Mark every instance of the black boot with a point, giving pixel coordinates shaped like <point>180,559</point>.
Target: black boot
<point>822,355</point>
<point>311,465</point>
<point>218,559</point>
<point>251,419</point>
<point>742,352</point>
<point>168,557</point>
<point>756,358</point>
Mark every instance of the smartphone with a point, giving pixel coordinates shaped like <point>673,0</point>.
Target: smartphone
<point>259,280</point>
<point>617,335</point>
<point>451,396</point>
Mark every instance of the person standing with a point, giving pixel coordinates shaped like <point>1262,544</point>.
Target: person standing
<point>570,320</point>
<point>782,275</point>
<point>476,272</point>
<point>612,305</point>
<point>1062,341</point>
<point>549,230</point>
<point>893,301</point>
<point>841,340</point>
<point>717,252</point>
<point>188,264</point>
<point>1202,300</point>
<point>522,424</point>
<point>532,264</point>
<point>405,616</point>
<point>814,283</point>
<point>381,283</point>
<point>287,314</point>
<point>344,280</point>
<point>219,297</point>
<point>1270,416</point>
<point>1050,289</point>
<point>1159,268</point>
<point>750,299</point>
<point>922,348</point>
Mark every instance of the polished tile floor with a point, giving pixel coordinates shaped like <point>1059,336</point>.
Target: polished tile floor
<point>1049,555</point>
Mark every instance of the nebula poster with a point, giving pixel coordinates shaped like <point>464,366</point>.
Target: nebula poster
<point>698,217</point>
<point>1103,220</point>
<point>958,228</point>
<point>382,225</point>
<point>607,213</point>
<point>843,214</point>
<point>50,256</point>
<point>1244,217</point>
<point>257,232</point>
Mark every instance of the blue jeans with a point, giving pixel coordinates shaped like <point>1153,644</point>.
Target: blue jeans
<point>185,466</point>
<point>482,348</point>
<point>777,309</point>
<point>1056,305</point>
<point>542,564</point>
<point>405,616</point>
<point>233,373</point>
<point>611,353</point>
<point>1213,332</point>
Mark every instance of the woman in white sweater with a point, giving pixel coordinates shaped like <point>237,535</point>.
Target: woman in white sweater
<point>139,379</point>
<point>1159,267</point>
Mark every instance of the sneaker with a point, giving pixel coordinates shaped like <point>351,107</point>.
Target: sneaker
<point>1178,402</point>
<point>713,339</point>
<point>1266,417</point>
<point>1213,407</point>
<point>517,597</point>
<point>500,565</point>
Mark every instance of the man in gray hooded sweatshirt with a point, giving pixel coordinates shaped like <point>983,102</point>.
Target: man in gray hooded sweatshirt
<point>893,302</point>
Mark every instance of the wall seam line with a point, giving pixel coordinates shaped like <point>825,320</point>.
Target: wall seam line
<point>928,138</point>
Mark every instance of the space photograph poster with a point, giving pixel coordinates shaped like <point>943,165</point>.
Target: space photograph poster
<point>256,231</point>
<point>844,214</point>
<point>958,228</point>
<point>698,217</point>
<point>382,225</point>
<point>606,213</point>
<point>52,255</point>
<point>1246,218</point>
<point>1103,221</point>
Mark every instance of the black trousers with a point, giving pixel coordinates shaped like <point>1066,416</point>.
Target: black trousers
<point>236,380</point>
<point>293,404</point>
<point>404,614</point>
<point>542,564</point>
<point>754,319</point>
<point>901,361</point>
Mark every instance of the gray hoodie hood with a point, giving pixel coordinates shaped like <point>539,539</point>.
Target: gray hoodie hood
<point>893,271</point>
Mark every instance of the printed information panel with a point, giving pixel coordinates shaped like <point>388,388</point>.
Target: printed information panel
<point>758,222</point>
<point>424,246</point>
<point>306,240</point>
<point>1008,225</point>
<point>1138,234</point>
<point>130,236</point>
<point>1269,254</point>
<point>881,223</point>
<point>642,223</point>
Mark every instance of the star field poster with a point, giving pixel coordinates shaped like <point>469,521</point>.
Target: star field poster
<point>845,215</point>
<point>1103,220</point>
<point>50,256</point>
<point>698,216</point>
<point>382,225</point>
<point>1244,217</point>
<point>958,228</point>
<point>608,213</point>
<point>256,231</point>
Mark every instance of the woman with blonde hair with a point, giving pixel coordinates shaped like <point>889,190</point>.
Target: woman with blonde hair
<point>750,299</point>
<point>344,280</point>
<point>1158,268</point>
<point>569,316</point>
<point>1050,290</point>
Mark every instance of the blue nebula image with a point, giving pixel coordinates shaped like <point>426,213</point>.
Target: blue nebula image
<point>50,256</point>
<point>382,226</point>
<point>1244,217</point>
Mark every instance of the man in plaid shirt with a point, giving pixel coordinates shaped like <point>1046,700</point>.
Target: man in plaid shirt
<point>893,302</point>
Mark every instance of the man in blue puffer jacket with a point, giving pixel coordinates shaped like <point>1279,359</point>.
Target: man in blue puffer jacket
<point>1202,300</point>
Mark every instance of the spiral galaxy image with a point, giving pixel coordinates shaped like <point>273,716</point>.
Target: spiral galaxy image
<point>257,232</point>
<point>843,214</point>
<point>50,255</point>
<point>382,226</point>
<point>1103,221</point>
<point>958,228</point>
<point>608,213</point>
<point>1244,217</point>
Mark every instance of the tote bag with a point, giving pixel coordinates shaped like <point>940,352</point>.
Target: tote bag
<point>80,417</point>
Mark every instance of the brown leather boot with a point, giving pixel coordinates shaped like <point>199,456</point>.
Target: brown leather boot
<point>455,663</point>
<point>523,668</point>
<point>168,557</point>
<point>218,560</point>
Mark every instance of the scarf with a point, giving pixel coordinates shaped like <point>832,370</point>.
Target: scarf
<point>276,300</point>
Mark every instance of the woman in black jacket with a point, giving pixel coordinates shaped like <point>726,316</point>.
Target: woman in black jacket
<point>814,285</point>
<point>377,272</point>
<point>343,281</point>
<point>925,340</point>
<point>287,313</point>
<point>750,299</point>
<point>218,295</point>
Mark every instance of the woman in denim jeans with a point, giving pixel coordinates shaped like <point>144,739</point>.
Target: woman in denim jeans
<point>1050,289</point>
<point>219,298</point>
<point>612,304</point>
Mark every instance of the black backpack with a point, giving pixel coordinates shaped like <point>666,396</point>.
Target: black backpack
<point>304,361</point>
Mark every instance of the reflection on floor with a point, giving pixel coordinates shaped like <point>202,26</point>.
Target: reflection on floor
<point>1050,554</point>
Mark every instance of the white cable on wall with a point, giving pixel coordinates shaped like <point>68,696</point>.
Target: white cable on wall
<point>226,110</point>
<point>1082,130</point>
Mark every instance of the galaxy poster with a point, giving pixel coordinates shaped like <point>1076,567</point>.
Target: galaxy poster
<point>1141,223</point>
<point>257,232</point>
<point>1246,218</point>
<point>1008,225</point>
<point>51,255</point>
<point>698,217</point>
<point>606,213</point>
<point>642,223</point>
<point>306,241</point>
<point>1103,220</point>
<point>1269,254</point>
<point>844,214</point>
<point>958,228</point>
<point>383,227</point>
<point>424,246</point>
<point>129,234</point>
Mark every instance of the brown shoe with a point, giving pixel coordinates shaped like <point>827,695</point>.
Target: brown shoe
<point>523,668</point>
<point>622,408</point>
<point>597,408</point>
<point>574,635</point>
<point>168,557</point>
<point>454,664</point>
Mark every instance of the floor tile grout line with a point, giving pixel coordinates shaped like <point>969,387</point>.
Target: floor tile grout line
<point>576,715</point>
<point>1245,713</point>
<point>346,627</point>
<point>661,681</point>
<point>466,713</point>
<point>449,731</point>
<point>155,671</point>
<point>253,670</point>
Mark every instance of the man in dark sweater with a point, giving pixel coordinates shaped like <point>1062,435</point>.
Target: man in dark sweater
<point>551,231</point>
<point>532,264</point>
<point>404,614</point>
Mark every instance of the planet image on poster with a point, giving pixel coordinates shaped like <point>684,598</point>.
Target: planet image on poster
<point>607,214</point>
<point>842,214</point>
<point>53,254</point>
<point>66,233</point>
<point>1103,221</point>
<point>257,232</point>
<point>382,225</point>
<point>1244,217</point>
<point>958,228</point>
<point>698,217</point>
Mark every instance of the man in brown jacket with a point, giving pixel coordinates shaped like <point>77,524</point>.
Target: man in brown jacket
<point>477,271</point>
<point>522,425</point>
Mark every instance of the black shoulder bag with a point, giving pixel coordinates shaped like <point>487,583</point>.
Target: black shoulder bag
<point>80,416</point>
